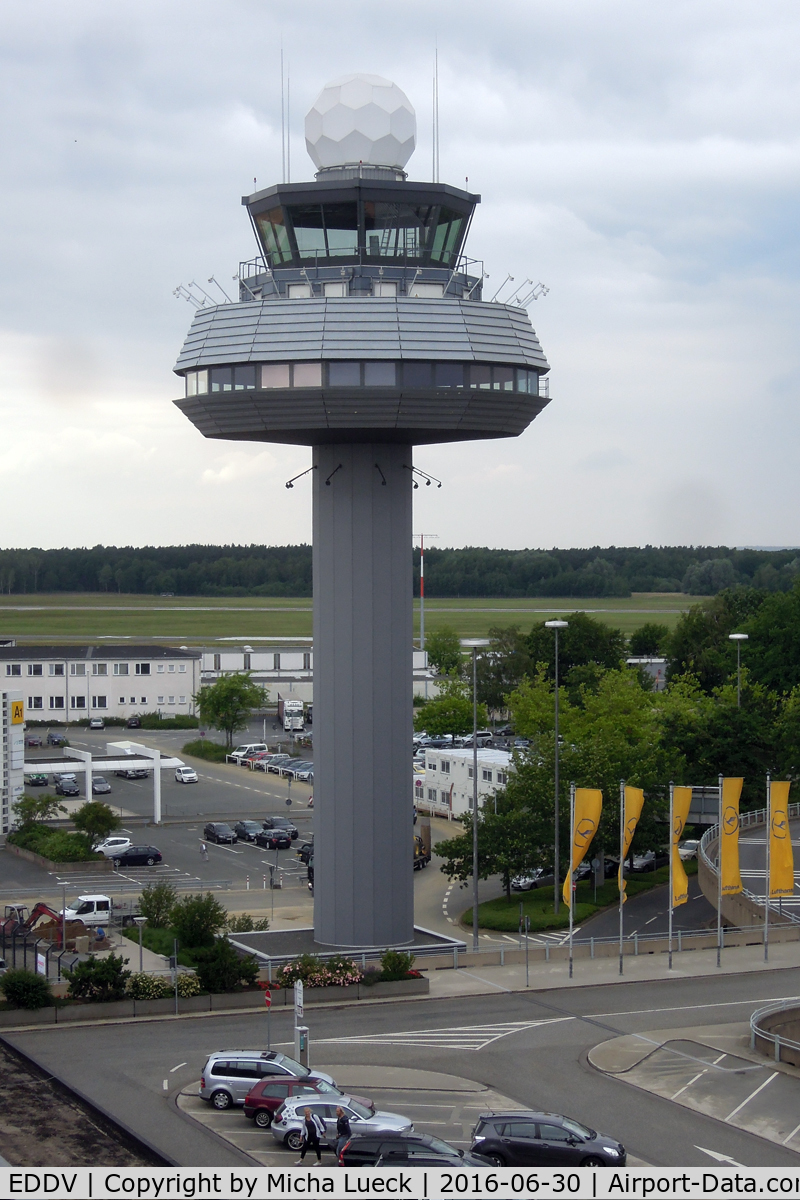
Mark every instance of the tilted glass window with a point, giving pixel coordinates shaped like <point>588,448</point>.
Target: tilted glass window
<point>344,374</point>
<point>480,376</point>
<point>503,379</point>
<point>380,374</point>
<point>272,228</point>
<point>308,374</point>
<point>202,383</point>
<point>397,230</point>
<point>275,375</point>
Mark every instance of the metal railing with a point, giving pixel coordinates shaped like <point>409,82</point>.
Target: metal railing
<point>748,820</point>
<point>769,1035</point>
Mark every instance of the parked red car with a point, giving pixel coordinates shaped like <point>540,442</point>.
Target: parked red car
<point>266,1097</point>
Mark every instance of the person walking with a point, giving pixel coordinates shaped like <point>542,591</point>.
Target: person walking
<point>204,851</point>
<point>342,1131</point>
<point>313,1126</point>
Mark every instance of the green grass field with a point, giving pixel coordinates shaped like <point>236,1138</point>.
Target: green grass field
<point>97,616</point>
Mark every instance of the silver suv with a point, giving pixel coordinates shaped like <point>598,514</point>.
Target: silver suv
<point>229,1074</point>
<point>287,1124</point>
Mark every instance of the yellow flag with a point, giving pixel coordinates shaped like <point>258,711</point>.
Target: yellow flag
<point>729,839</point>
<point>588,806</point>
<point>781,860</point>
<point>634,800</point>
<point>681,802</point>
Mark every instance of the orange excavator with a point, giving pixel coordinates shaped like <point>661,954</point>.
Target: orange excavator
<point>42,919</point>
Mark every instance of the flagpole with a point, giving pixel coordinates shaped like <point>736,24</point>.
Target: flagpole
<point>768,839</point>
<point>621,866</point>
<point>719,880</point>
<point>671,855</point>
<point>571,869</point>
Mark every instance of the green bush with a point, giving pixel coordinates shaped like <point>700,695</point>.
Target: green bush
<point>203,748</point>
<point>220,969</point>
<point>142,986</point>
<point>188,985</point>
<point>25,989</point>
<point>99,979</point>
<point>55,844</point>
<point>244,923</point>
<point>155,721</point>
<point>395,964</point>
<point>156,903</point>
<point>198,919</point>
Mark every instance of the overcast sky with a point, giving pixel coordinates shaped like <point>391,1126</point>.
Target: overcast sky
<point>640,159</point>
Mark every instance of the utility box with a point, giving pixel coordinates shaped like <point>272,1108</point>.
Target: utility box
<point>301,1044</point>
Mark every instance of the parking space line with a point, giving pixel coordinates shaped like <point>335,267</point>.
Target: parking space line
<point>791,1135</point>
<point>752,1095</point>
<point>689,1084</point>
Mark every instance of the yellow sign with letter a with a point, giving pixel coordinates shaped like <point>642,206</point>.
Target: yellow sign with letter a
<point>17,712</point>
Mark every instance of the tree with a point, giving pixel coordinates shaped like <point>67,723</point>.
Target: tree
<point>228,703</point>
<point>444,650</point>
<point>99,979</point>
<point>649,640</point>
<point>198,919</point>
<point>699,644</point>
<point>33,810</point>
<point>585,640</point>
<point>503,665</point>
<point>220,968</point>
<point>773,650</point>
<point>96,820</point>
<point>451,711</point>
<point>156,904</point>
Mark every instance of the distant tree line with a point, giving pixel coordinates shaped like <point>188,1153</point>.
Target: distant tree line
<point>472,571</point>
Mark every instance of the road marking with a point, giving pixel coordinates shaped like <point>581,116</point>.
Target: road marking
<point>464,1037</point>
<point>760,1088</point>
<point>688,1085</point>
<point>791,1135</point>
<point>721,1158</point>
<point>173,1069</point>
<point>636,1012</point>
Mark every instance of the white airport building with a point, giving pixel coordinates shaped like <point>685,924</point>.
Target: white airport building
<point>446,789</point>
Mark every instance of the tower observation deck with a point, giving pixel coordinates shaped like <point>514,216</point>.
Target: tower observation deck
<point>360,330</point>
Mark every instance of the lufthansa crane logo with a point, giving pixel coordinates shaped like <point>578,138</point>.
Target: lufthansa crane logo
<point>631,828</point>
<point>730,820</point>
<point>677,827</point>
<point>779,825</point>
<point>584,832</point>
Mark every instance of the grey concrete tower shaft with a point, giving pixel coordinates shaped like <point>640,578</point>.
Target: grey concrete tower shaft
<point>363,852</point>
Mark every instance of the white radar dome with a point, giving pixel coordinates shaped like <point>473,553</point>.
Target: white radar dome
<point>361,119</point>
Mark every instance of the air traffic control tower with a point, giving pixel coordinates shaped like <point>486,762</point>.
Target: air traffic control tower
<point>361,331</point>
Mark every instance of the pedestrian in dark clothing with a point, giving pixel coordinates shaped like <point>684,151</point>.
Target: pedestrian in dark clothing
<point>342,1131</point>
<point>313,1126</point>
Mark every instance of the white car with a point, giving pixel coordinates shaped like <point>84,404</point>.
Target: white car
<point>185,775</point>
<point>114,845</point>
<point>688,849</point>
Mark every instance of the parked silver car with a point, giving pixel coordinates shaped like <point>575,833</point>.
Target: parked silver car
<point>229,1074</point>
<point>287,1124</point>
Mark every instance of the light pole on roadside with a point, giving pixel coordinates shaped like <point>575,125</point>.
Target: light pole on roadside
<point>474,644</point>
<point>140,921</point>
<point>738,638</point>
<point>556,626</point>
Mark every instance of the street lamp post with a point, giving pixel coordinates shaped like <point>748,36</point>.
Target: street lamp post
<point>140,921</point>
<point>474,644</point>
<point>738,638</point>
<point>555,626</point>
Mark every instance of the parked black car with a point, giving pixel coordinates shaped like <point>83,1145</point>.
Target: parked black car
<point>305,851</point>
<point>133,773</point>
<point>67,787</point>
<point>248,831</point>
<point>282,823</point>
<point>273,839</point>
<point>56,739</point>
<point>411,1149</point>
<point>541,1139</point>
<point>138,856</point>
<point>218,831</point>
<point>134,723</point>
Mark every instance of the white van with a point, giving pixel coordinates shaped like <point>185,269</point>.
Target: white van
<point>242,752</point>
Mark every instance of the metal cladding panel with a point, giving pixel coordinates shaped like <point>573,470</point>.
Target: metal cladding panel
<point>341,328</point>
<point>363,863</point>
<point>310,417</point>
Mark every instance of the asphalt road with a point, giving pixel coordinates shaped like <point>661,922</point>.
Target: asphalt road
<point>648,913</point>
<point>537,1056</point>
